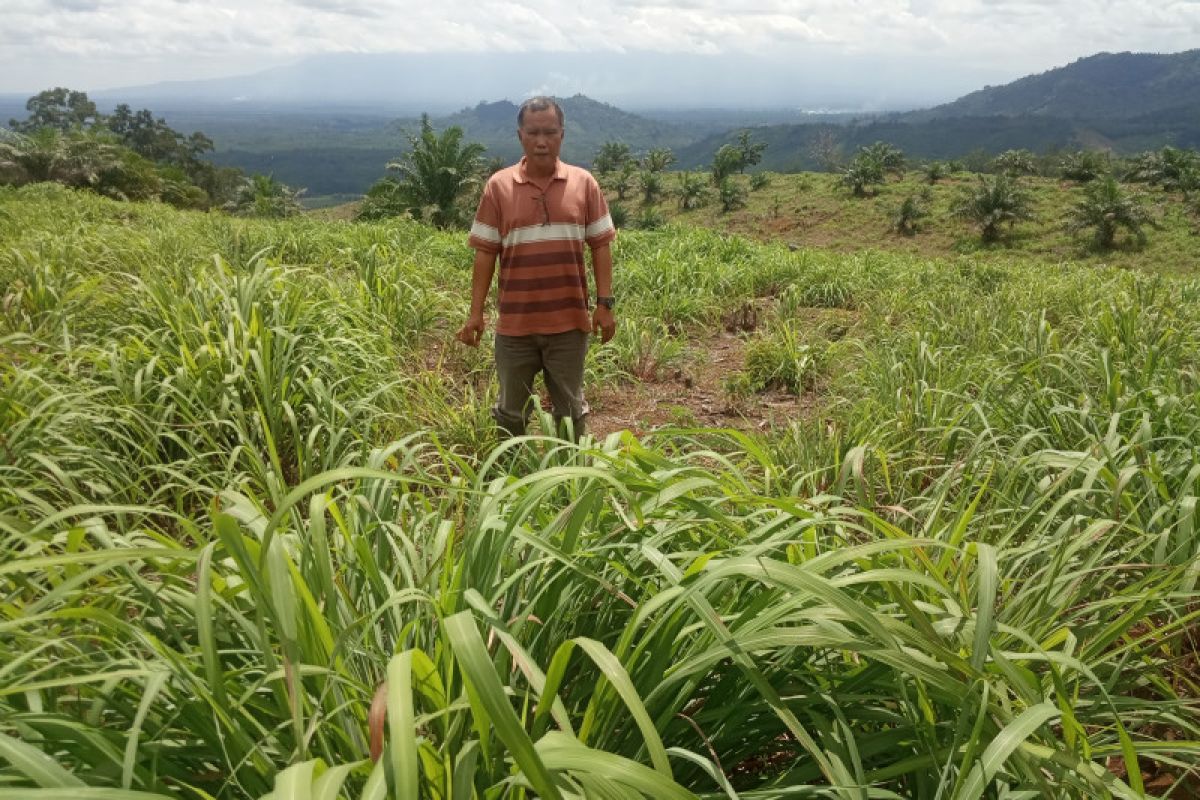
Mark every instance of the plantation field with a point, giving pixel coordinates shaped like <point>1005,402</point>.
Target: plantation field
<point>812,209</point>
<point>851,524</point>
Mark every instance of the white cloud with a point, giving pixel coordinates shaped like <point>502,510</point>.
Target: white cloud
<point>98,43</point>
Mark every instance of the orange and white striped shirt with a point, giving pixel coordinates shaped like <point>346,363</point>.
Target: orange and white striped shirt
<point>539,234</point>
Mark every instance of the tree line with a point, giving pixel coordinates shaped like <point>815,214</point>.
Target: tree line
<point>129,155</point>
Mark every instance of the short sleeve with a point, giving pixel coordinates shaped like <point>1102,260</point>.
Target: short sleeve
<point>600,230</point>
<point>485,230</point>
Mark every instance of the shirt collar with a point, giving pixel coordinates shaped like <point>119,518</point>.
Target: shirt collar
<point>560,171</point>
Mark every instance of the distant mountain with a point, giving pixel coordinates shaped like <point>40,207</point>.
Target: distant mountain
<point>1105,86</point>
<point>277,121</point>
<point>590,123</point>
<point>1127,102</point>
<point>330,158</point>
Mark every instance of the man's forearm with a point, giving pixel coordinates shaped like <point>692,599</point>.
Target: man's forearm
<point>602,270</point>
<point>481,280</point>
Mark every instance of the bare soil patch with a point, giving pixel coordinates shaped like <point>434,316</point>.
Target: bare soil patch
<point>695,395</point>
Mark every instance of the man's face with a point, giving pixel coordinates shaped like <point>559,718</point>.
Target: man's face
<point>541,137</point>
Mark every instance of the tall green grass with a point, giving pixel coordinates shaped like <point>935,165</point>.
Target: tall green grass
<point>248,487</point>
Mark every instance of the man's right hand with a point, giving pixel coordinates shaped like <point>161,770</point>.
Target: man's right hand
<point>470,333</point>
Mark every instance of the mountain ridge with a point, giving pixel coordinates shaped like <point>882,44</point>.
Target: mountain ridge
<point>1100,86</point>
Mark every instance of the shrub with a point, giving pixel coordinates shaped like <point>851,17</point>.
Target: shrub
<point>759,180</point>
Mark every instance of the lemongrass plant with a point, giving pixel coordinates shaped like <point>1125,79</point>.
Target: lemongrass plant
<point>247,486</point>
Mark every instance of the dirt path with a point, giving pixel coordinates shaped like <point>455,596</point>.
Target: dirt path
<point>693,395</point>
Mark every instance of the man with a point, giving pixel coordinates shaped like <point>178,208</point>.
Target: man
<point>536,216</point>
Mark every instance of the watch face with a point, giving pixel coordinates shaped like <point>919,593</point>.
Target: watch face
<point>607,302</point>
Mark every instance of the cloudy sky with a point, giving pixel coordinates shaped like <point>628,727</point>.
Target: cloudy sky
<point>97,44</point>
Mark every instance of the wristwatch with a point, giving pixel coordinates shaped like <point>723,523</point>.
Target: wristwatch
<point>607,302</point>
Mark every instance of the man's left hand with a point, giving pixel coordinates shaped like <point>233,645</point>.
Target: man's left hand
<point>603,323</point>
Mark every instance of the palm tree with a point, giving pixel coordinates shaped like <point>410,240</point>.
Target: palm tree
<point>907,218</point>
<point>934,172</point>
<point>432,176</point>
<point>751,151</point>
<point>48,154</point>
<point>1106,208</point>
<point>726,161</point>
<point>658,159</point>
<point>996,201</point>
<point>263,196</point>
<point>861,173</point>
<point>1086,165</point>
<point>1015,162</point>
<point>1171,168</point>
<point>889,157</point>
<point>611,157</point>
<point>652,187</point>
<point>622,182</point>
<point>692,193</point>
<point>731,194</point>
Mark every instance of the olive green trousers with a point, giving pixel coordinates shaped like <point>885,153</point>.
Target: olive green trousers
<point>560,358</point>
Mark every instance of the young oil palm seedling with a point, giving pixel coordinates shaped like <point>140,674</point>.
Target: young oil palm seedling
<point>692,191</point>
<point>907,218</point>
<point>1105,209</point>
<point>995,204</point>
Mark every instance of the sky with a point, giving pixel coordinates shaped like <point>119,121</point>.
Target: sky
<point>99,44</point>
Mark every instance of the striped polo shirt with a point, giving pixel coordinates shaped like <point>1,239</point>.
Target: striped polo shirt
<point>539,232</point>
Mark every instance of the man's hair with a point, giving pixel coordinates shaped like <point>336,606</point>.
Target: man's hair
<point>540,103</point>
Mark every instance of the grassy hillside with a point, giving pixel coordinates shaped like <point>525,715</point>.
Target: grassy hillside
<point>814,210</point>
<point>250,505</point>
